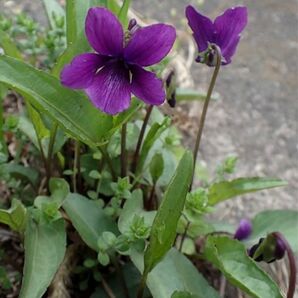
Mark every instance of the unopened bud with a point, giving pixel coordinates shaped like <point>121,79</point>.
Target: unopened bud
<point>244,230</point>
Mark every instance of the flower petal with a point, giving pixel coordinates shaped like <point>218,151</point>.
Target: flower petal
<point>104,32</point>
<point>150,44</point>
<point>79,74</point>
<point>146,86</point>
<point>201,26</point>
<point>228,27</point>
<point>110,91</point>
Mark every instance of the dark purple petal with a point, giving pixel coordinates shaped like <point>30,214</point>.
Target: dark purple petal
<point>110,91</point>
<point>201,26</point>
<point>280,248</point>
<point>244,230</point>
<point>228,28</point>
<point>150,44</point>
<point>104,32</point>
<point>146,86</point>
<point>79,74</point>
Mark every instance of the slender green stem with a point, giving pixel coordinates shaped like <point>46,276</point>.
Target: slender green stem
<point>108,161</point>
<point>184,235</point>
<point>123,151</point>
<point>151,204</point>
<point>205,107</point>
<point>76,165</point>
<point>292,263</point>
<point>51,147</point>
<point>140,140</point>
<point>142,286</point>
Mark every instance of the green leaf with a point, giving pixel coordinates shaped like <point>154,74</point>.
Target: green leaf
<point>230,257</point>
<point>59,189</point>
<point>123,13</point>
<point>9,46</point>
<point>45,245</point>
<point>175,273</point>
<point>71,109</point>
<point>15,217</point>
<point>134,206</point>
<point>183,294</point>
<point>88,218</point>
<point>54,10</point>
<point>163,231</point>
<point>20,172</point>
<point>283,221</point>
<point>113,6</point>
<point>156,167</point>
<point>225,190</point>
<point>153,134</point>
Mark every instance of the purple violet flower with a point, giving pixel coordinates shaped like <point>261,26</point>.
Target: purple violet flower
<point>224,32</point>
<point>116,70</point>
<point>244,230</point>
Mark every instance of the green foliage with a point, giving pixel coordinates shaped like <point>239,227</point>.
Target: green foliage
<point>15,217</point>
<point>175,273</point>
<point>164,227</point>
<point>225,190</point>
<point>45,244</point>
<point>156,167</point>
<point>231,258</point>
<point>123,13</point>
<point>88,219</point>
<point>75,113</point>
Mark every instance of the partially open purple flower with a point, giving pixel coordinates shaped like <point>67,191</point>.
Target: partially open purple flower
<point>224,31</point>
<point>116,70</point>
<point>244,230</point>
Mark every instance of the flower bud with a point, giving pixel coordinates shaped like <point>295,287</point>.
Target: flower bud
<point>244,230</point>
<point>268,249</point>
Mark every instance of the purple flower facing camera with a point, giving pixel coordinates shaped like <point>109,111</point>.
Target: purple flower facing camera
<point>116,69</point>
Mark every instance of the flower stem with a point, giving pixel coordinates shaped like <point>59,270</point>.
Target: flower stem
<point>123,151</point>
<point>292,263</point>
<point>50,151</point>
<point>142,286</point>
<point>76,166</point>
<point>184,235</point>
<point>140,140</point>
<point>108,160</point>
<point>205,107</point>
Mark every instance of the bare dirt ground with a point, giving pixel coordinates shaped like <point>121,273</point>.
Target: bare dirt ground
<point>256,117</point>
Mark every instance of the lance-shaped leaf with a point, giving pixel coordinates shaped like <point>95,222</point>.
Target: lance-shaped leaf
<point>71,109</point>
<point>163,231</point>
<point>45,245</point>
<point>153,134</point>
<point>230,257</point>
<point>225,190</point>
<point>123,13</point>
<point>88,218</point>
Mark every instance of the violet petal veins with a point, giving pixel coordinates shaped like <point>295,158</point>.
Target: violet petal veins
<point>224,31</point>
<point>115,70</point>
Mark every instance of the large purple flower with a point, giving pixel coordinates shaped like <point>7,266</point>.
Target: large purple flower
<point>116,70</point>
<point>224,31</point>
